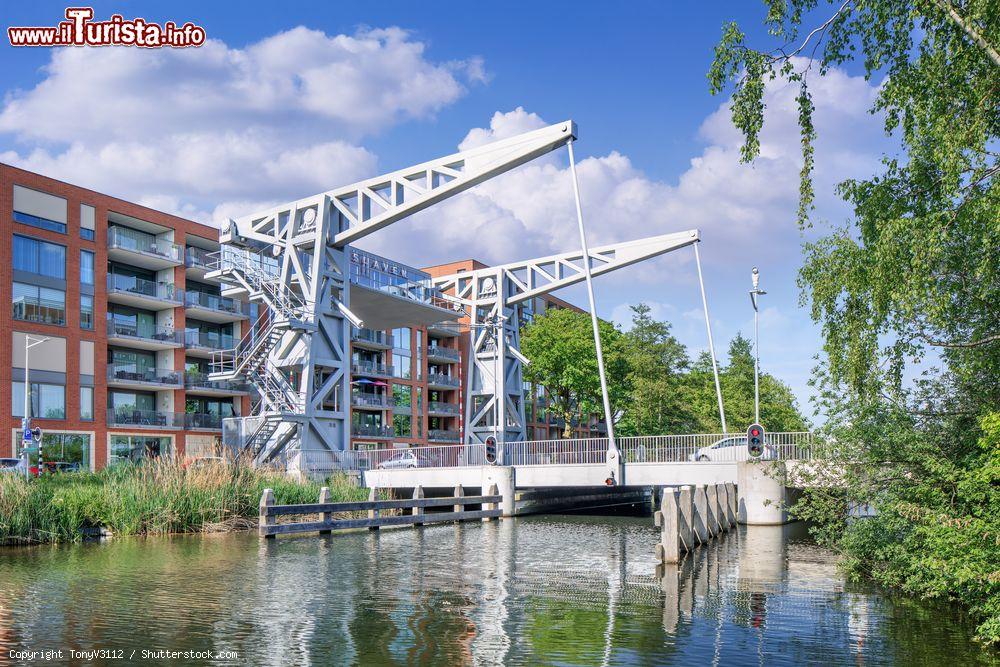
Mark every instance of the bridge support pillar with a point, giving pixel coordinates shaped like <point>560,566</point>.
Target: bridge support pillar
<point>762,494</point>
<point>503,477</point>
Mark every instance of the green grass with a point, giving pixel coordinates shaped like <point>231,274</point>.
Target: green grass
<point>154,498</point>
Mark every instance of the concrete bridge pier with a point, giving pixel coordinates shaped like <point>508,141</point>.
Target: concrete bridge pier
<point>763,497</point>
<point>504,479</point>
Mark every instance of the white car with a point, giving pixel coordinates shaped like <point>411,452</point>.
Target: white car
<point>12,466</point>
<point>733,448</point>
<point>405,460</point>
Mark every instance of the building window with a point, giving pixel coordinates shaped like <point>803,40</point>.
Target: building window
<point>137,448</point>
<point>87,222</point>
<point>403,426</point>
<point>87,403</point>
<point>86,311</point>
<point>39,257</point>
<point>41,223</point>
<point>86,267</point>
<point>48,401</point>
<point>64,452</point>
<point>32,303</point>
<point>86,234</point>
<point>403,395</point>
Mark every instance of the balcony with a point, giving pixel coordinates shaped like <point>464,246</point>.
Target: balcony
<point>444,329</point>
<point>365,401</point>
<point>145,418</point>
<point>441,381</point>
<point>129,375</point>
<point>129,334</point>
<point>372,340</point>
<point>140,249</point>
<point>371,369</point>
<point>440,408</point>
<point>42,311</point>
<point>203,343</point>
<point>199,384</point>
<point>372,431</point>
<point>215,308</point>
<point>442,435</point>
<point>445,355</point>
<point>142,293</point>
<point>202,422</point>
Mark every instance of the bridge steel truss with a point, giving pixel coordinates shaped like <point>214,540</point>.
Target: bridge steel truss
<point>494,298</point>
<point>293,259</point>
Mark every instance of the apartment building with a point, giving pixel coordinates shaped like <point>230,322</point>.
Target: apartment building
<point>123,320</point>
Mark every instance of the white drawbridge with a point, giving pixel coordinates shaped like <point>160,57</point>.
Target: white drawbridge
<point>294,261</point>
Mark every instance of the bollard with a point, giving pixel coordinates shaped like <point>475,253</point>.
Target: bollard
<point>373,513</point>
<point>711,510</point>
<point>669,548</point>
<point>418,511</point>
<point>733,502</point>
<point>459,492</point>
<point>700,502</point>
<point>266,500</point>
<point>324,497</point>
<point>686,518</point>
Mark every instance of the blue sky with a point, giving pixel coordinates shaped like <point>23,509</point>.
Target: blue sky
<point>291,99</point>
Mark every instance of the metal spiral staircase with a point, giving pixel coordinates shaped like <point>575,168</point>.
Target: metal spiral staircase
<point>285,317</point>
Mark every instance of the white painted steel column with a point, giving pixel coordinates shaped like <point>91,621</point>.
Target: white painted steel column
<point>614,455</point>
<point>711,344</point>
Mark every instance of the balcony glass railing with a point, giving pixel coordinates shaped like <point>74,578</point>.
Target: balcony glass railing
<point>135,241</point>
<point>370,368</point>
<point>222,304</point>
<point>127,416</point>
<point>374,337</point>
<point>119,329</point>
<point>372,400</point>
<point>35,309</point>
<point>441,435</point>
<point>372,431</point>
<point>437,352</point>
<point>202,420</point>
<point>202,381</point>
<point>142,287</point>
<point>128,372</point>
<point>440,407</point>
<point>442,380</point>
<point>200,258</point>
<point>209,340</point>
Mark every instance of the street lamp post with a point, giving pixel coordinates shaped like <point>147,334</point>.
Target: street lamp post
<point>756,293</point>
<point>29,342</point>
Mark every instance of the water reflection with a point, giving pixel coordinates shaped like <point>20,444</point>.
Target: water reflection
<point>541,590</point>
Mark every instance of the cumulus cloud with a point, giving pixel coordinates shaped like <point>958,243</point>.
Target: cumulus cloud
<point>278,119</point>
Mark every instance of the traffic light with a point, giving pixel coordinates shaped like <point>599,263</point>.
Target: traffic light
<point>755,441</point>
<point>491,450</point>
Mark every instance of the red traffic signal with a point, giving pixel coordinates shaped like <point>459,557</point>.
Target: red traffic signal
<point>491,450</point>
<point>755,441</point>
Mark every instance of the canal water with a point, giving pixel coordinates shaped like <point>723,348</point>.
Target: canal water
<point>552,590</point>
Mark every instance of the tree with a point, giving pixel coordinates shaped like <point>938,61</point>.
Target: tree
<point>560,345</point>
<point>914,277</point>
<point>778,409</point>
<point>658,402</point>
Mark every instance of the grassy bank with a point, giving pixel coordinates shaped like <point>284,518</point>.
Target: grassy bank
<point>155,498</point>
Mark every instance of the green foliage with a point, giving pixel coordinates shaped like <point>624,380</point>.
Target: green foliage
<point>914,278</point>
<point>654,388</point>
<point>159,497</point>
<point>560,344</point>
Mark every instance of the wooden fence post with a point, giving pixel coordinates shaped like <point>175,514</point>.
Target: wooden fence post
<point>266,500</point>
<point>418,511</point>
<point>325,497</point>
<point>459,492</point>
<point>373,514</point>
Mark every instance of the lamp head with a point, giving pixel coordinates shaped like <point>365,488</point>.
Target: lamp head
<point>756,277</point>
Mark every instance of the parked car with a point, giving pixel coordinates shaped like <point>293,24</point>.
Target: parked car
<point>733,448</point>
<point>405,460</point>
<point>11,466</point>
<point>52,467</point>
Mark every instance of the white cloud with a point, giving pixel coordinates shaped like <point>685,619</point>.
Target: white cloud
<point>196,128</point>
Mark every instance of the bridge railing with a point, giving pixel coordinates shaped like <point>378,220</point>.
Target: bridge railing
<point>701,447</point>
